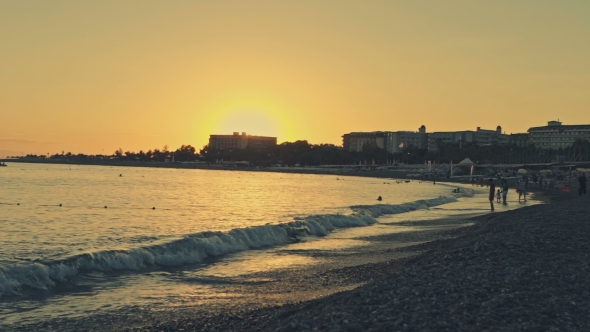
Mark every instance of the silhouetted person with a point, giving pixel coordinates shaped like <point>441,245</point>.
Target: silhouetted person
<point>504,191</point>
<point>522,188</point>
<point>582,181</point>
<point>492,193</point>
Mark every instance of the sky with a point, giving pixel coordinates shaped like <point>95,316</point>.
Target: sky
<point>96,76</point>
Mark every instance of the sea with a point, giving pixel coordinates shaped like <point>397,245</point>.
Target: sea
<point>77,240</point>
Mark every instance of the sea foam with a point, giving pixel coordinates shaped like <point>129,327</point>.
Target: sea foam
<point>195,248</point>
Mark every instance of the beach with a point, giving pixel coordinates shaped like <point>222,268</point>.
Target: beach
<point>526,270</point>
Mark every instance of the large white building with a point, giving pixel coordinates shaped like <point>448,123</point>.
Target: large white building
<point>555,135</point>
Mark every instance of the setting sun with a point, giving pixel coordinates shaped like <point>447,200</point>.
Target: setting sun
<point>254,122</point>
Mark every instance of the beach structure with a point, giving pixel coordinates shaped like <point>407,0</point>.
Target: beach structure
<point>237,141</point>
<point>555,135</point>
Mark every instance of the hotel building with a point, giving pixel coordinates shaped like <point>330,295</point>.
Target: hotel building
<point>520,139</point>
<point>481,136</point>
<point>555,135</point>
<point>237,141</point>
<point>391,141</point>
<point>356,140</point>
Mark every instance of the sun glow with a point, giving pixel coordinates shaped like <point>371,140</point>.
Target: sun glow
<point>253,122</point>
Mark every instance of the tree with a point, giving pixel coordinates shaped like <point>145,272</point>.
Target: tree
<point>185,153</point>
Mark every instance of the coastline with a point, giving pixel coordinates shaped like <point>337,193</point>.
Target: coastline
<point>381,174</point>
<point>524,269</point>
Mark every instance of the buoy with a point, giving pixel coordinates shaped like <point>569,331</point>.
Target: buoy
<point>120,175</point>
<point>154,208</point>
<point>105,206</point>
<point>59,204</point>
<point>17,203</point>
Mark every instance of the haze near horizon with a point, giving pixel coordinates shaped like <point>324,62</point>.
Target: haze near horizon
<point>92,77</point>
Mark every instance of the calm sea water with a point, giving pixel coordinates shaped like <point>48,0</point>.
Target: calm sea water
<point>72,231</point>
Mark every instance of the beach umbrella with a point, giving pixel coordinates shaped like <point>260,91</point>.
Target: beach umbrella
<point>522,171</point>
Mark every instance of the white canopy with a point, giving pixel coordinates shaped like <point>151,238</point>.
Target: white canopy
<point>466,161</point>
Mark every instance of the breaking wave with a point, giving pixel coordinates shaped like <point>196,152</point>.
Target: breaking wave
<point>194,248</point>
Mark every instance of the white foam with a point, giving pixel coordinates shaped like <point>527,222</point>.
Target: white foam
<point>195,248</point>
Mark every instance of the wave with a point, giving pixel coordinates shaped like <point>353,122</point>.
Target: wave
<point>195,248</point>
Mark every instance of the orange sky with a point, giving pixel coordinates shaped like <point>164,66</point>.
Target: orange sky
<point>91,77</point>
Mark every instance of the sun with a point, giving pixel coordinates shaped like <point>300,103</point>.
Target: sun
<point>253,122</point>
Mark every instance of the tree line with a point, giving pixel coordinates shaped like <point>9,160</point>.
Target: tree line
<point>303,153</point>
<point>183,153</point>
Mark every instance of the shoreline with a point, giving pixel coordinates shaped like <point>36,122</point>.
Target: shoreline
<point>448,278</point>
<point>526,269</point>
<point>379,174</point>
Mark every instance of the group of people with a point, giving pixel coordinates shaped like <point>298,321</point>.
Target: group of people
<point>522,187</point>
<point>503,193</point>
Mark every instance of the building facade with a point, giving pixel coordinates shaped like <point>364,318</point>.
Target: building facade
<point>237,141</point>
<point>490,137</point>
<point>520,139</point>
<point>356,140</point>
<point>449,137</point>
<point>395,141</point>
<point>391,141</point>
<point>555,135</point>
<point>481,136</point>
<point>404,139</point>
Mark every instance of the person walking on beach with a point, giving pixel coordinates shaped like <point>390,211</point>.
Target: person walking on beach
<point>582,182</point>
<point>504,191</point>
<point>492,193</point>
<point>498,196</point>
<point>522,186</point>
